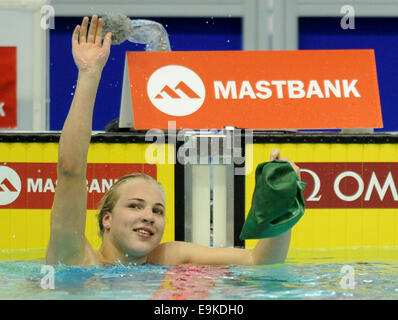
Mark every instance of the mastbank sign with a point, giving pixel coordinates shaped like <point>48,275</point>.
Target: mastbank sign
<point>251,89</point>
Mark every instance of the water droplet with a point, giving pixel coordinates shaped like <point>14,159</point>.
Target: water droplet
<point>228,41</point>
<point>207,22</point>
<point>39,171</point>
<point>13,236</point>
<point>71,93</point>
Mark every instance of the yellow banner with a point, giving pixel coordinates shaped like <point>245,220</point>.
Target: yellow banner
<point>25,220</point>
<point>353,206</point>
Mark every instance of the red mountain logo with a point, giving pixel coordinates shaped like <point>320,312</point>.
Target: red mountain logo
<point>176,90</point>
<point>172,93</point>
<point>8,185</point>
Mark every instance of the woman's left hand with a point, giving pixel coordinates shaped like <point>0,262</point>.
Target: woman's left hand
<point>275,155</point>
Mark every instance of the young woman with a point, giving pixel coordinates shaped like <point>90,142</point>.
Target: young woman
<point>131,217</point>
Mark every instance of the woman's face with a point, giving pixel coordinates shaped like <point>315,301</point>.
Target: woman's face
<point>137,222</point>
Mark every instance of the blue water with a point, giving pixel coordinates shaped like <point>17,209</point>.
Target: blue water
<point>289,281</point>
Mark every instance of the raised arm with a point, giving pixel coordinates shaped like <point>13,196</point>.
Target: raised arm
<point>68,215</point>
<point>274,250</point>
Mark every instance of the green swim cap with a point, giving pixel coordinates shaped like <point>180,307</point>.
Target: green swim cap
<point>277,203</point>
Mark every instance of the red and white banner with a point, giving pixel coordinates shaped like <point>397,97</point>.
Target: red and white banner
<point>350,184</point>
<point>32,185</point>
<point>8,87</point>
<point>301,89</point>
<point>329,184</point>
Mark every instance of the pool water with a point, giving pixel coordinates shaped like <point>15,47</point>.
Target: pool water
<point>311,279</point>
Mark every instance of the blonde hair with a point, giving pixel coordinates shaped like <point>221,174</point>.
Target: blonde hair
<point>111,196</point>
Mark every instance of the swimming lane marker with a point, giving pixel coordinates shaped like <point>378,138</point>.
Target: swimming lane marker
<point>187,282</point>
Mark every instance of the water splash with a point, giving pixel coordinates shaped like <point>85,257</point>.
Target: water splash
<point>148,32</point>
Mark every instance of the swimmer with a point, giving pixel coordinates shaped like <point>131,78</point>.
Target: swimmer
<point>132,213</point>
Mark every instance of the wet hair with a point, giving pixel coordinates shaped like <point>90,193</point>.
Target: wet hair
<point>111,196</point>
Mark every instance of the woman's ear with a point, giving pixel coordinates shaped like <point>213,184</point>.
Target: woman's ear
<point>107,221</point>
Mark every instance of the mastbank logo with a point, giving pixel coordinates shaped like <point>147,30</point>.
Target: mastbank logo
<point>179,91</point>
<point>176,90</point>
<point>10,185</point>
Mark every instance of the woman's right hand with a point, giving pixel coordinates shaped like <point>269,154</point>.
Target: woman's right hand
<point>89,53</point>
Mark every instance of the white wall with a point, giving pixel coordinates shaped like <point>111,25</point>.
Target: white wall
<point>20,27</point>
<point>16,30</point>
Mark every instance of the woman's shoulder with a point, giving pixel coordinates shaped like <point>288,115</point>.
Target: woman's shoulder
<point>169,253</point>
